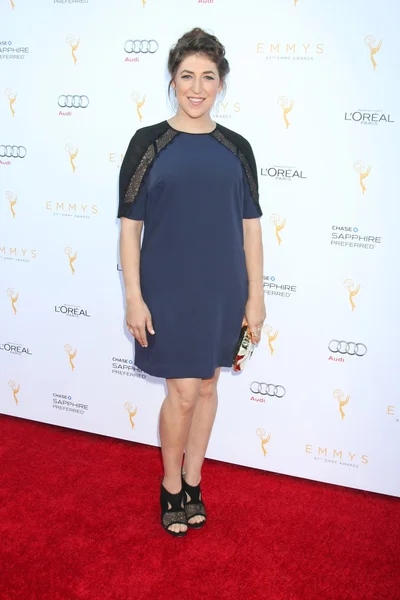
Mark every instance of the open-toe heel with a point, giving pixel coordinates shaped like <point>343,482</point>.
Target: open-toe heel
<point>194,506</point>
<point>172,511</point>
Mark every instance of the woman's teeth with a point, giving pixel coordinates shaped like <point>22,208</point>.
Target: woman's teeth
<point>196,101</point>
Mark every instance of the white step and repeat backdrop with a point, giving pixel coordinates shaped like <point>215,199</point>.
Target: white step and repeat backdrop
<point>314,86</point>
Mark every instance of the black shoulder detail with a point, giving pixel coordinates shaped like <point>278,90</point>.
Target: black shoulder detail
<point>242,148</point>
<point>143,148</point>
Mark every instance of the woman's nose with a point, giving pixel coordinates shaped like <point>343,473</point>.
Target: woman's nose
<point>196,87</point>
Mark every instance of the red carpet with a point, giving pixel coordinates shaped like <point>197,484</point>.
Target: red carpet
<point>79,520</point>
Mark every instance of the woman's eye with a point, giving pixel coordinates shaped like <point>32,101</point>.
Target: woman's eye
<point>185,76</point>
<point>209,77</point>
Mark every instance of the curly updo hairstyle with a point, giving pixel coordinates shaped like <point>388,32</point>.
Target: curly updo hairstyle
<point>198,41</point>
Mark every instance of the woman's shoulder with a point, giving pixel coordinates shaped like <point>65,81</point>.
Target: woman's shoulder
<point>235,137</point>
<point>149,133</point>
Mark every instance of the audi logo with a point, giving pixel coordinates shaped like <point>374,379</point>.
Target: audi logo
<point>350,348</point>
<point>13,151</point>
<point>141,46</point>
<point>73,101</point>
<point>267,389</point>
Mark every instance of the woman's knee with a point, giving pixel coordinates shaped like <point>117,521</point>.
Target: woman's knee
<point>209,386</point>
<point>184,393</point>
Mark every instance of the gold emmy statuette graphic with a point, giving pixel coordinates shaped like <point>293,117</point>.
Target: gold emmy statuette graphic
<point>72,155</point>
<point>144,2</point>
<point>139,103</point>
<point>267,329</point>
<point>369,41</point>
<point>132,413</point>
<point>72,259</point>
<point>363,172</point>
<point>13,298</point>
<point>15,388</point>
<point>295,2</point>
<point>12,201</point>
<point>12,4</point>
<point>286,107</point>
<point>339,395</point>
<point>71,355</point>
<point>11,100</point>
<point>74,46</point>
<point>264,440</point>
<point>278,226</point>
<point>349,285</point>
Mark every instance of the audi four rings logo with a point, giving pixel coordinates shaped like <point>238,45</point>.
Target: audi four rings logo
<point>141,46</point>
<point>347,348</point>
<point>73,101</point>
<point>13,151</point>
<point>267,389</point>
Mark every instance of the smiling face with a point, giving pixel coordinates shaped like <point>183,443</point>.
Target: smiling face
<point>197,84</point>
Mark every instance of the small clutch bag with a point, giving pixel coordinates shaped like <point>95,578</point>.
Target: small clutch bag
<point>244,349</point>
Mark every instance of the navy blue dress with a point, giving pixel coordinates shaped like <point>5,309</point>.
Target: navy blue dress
<point>192,265</point>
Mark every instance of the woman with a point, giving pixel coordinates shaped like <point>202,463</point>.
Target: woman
<point>199,273</point>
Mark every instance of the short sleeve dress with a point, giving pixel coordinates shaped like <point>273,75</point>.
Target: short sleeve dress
<point>192,191</point>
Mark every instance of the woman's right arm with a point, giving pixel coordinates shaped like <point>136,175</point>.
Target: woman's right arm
<point>137,313</point>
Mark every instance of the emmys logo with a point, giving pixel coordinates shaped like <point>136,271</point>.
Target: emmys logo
<point>12,201</point>
<point>13,297</point>
<point>225,110</point>
<point>144,2</point>
<point>131,413</point>
<point>339,395</point>
<point>286,107</point>
<point>11,100</point>
<point>71,355</point>
<point>349,285</point>
<point>72,155</point>
<point>295,2</point>
<point>73,44</point>
<point>71,258</point>
<point>139,103</point>
<point>18,254</point>
<point>289,52</point>
<point>15,389</point>
<point>370,41</point>
<point>12,4</point>
<point>78,211</point>
<point>359,167</point>
<point>333,456</point>
<point>267,330</point>
<point>264,440</point>
<point>116,159</point>
<point>275,220</point>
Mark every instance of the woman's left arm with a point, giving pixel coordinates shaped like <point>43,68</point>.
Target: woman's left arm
<point>255,312</point>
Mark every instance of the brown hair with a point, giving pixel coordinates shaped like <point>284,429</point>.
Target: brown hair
<point>197,41</point>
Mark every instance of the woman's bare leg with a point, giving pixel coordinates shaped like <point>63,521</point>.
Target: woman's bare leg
<point>200,431</point>
<point>175,420</point>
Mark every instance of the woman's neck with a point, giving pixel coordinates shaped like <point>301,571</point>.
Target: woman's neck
<point>183,122</point>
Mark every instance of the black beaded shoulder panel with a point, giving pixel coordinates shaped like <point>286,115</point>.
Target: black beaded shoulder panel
<point>148,142</point>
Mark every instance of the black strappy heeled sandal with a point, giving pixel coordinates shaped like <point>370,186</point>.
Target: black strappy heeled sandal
<point>194,506</point>
<point>172,511</point>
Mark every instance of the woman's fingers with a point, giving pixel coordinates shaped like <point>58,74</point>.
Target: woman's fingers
<point>256,333</point>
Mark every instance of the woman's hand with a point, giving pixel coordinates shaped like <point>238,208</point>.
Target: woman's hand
<point>138,316</point>
<point>255,314</point>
